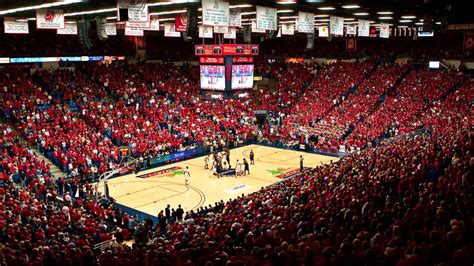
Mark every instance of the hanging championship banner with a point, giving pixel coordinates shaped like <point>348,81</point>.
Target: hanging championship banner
<point>70,28</point>
<point>12,26</point>
<point>231,34</point>
<point>364,28</point>
<point>137,24</point>
<point>323,31</point>
<point>154,25</point>
<point>336,25</point>
<point>49,19</point>
<point>132,31</point>
<point>137,10</point>
<point>235,19</point>
<point>205,31</point>
<point>110,29</point>
<point>181,22</point>
<point>351,29</point>
<point>170,30</point>
<point>255,29</point>
<point>267,18</point>
<point>305,22</point>
<point>221,29</point>
<point>288,29</point>
<point>215,13</point>
<point>384,30</point>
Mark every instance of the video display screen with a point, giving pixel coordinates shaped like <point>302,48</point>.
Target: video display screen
<point>242,76</point>
<point>212,77</point>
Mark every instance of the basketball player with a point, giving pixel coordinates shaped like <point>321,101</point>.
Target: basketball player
<point>187,176</point>
<point>301,163</point>
<point>238,168</point>
<point>206,162</point>
<point>246,167</point>
<point>252,157</point>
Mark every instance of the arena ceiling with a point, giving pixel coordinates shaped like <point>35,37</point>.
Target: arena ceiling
<point>396,12</point>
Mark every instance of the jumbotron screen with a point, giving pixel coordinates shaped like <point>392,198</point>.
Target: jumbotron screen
<point>242,76</point>
<point>212,77</point>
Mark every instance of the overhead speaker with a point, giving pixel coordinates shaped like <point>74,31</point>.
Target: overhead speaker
<point>83,27</point>
<point>310,41</point>
<point>191,25</point>
<point>100,22</point>
<point>247,34</point>
<point>427,22</point>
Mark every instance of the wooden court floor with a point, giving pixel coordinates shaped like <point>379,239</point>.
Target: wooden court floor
<point>151,190</point>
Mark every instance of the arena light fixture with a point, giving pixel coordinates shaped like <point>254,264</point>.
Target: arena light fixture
<point>321,15</point>
<point>349,19</point>
<point>385,18</point>
<point>408,17</point>
<point>326,8</point>
<point>405,20</point>
<point>287,2</point>
<point>288,17</point>
<point>248,13</point>
<point>385,12</point>
<point>168,12</point>
<point>47,5</point>
<point>419,23</point>
<point>361,14</point>
<point>322,20</point>
<point>402,26</point>
<point>285,11</point>
<point>351,6</point>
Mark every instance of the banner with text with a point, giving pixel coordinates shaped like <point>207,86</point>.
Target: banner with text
<point>231,34</point>
<point>110,29</point>
<point>235,18</point>
<point>70,28</point>
<point>181,22</point>
<point>205,31</point>
<point>49,19</point>
<point>336,25</point>
<point>288,29</point>
<point>305,22</point>
<point>137,10</point>
<point>215,13</point>
<point>351,29</point>
<point>364,28</point>
<point>323,31</point>
<point>133,31</point>
<point>12,26</point>
<point>170,30</point>
<point>384,30</point>
<point>154,25</point>
<point>267,18</point>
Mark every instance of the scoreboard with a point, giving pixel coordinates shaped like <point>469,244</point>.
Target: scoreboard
<point>226,67</point>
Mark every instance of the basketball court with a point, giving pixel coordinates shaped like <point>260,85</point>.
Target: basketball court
<point>151,190</point>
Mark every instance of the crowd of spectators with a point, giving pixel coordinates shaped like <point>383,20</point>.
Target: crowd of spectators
<point>402,109</point>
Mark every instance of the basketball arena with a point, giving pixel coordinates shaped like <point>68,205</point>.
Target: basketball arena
<point>236,132</point>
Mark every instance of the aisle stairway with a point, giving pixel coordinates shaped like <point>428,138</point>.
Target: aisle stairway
<point>55,171</point>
